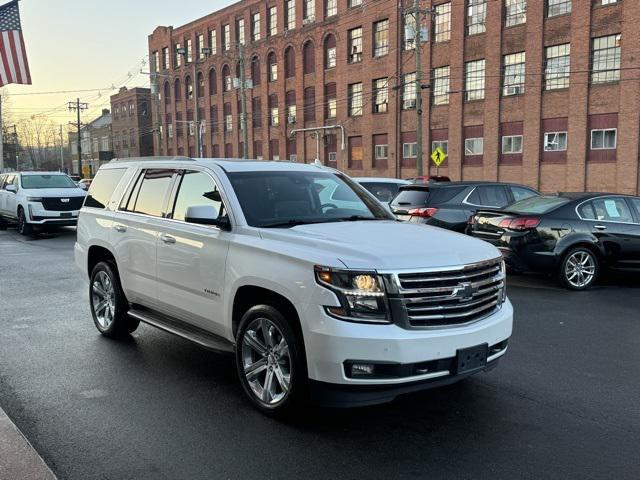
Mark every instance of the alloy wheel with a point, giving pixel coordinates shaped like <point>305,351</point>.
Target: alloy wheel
<point>580,269</point>
<point>103,299</point>
<point>266,362</point>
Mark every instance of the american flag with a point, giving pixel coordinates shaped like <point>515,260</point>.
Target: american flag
<point>14,67</point>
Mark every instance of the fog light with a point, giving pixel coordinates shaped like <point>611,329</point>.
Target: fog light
<point>359,369</point>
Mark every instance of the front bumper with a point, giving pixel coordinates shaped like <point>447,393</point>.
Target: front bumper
<point>39,216</point>
<point>331,343</point>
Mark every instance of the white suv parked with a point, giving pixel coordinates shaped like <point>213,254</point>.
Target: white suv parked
<point>39,200</point>
<point>336,302</point>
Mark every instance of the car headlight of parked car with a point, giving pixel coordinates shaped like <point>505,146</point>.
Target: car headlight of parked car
<point>362,295</point>
<point>34,199</point>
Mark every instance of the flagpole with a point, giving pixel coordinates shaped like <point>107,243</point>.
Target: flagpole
<point>1,139</point>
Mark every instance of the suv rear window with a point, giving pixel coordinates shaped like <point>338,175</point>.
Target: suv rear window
<point>412,196</point>
<point>103,186</point>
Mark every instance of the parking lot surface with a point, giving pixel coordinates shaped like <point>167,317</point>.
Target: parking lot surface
<point>563,403</point>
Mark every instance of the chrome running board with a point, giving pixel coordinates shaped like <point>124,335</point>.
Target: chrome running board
<point>194,334</point>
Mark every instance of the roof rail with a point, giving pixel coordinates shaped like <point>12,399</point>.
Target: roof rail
<point>153,159</point>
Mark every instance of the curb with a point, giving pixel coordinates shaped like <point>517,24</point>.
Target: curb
<point>18,458</point>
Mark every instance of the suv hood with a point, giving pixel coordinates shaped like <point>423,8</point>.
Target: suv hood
<point>54,192</point>
<point>388,245</point>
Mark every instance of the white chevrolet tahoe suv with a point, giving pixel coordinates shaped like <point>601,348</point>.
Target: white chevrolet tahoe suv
<point>335,302</point>
<point>39,200</point>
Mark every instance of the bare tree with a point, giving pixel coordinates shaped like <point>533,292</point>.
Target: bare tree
<point>40,143</point>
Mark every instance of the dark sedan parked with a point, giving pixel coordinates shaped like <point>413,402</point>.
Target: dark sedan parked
<point>450,204</point>
<point>571,235</point>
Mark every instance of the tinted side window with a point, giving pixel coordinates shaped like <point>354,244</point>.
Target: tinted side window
<point>612,210</point>
<point>149,198</point>
<point>196,188</point>
<point>411,197</point>
<point>444,194</point>
<point>493,196</point>
<point>103,186</point>
<point>520,193</point>
<point>636,204</point>
<point>586,211</point>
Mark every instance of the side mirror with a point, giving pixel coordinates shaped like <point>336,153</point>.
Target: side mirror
<point>11,188</point>
<point>83,186</point>
<point>206,215</point>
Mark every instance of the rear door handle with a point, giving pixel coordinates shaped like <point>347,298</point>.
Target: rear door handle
<point>600,227</point>
<point>120,228</point>
<point>168,239</point>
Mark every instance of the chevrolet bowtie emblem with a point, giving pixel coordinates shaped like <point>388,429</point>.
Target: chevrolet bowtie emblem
<point>464,292</point>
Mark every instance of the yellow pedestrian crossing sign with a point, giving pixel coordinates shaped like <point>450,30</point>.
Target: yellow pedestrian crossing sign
<point>438,156</point>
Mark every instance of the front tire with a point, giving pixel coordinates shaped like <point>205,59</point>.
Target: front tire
<point>24,227</point>
<point>579,269</point>
<point>109,306</point>
<point>270,361</point>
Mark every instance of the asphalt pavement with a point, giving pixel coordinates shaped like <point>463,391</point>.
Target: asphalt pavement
<point>563,403</point>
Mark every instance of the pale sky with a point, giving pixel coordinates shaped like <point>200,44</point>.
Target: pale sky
<point>75,45</point>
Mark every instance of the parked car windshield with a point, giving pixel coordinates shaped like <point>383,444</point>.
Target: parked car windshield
<point>286,199</point>
<point>47,181</point>
<point>537,204</point>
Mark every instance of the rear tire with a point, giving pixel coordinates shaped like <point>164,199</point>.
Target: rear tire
<point>3,224</point>
<point>108,304</point>
<point>579,269</point>
<point>270,361</point>
<point>24,227</point>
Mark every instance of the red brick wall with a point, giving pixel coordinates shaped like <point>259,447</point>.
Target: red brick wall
<point>579,170</point>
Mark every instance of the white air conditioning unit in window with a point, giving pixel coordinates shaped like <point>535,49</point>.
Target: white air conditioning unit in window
<point>310,19</point>
<point>409,103</point>
<point>517,90</point>
<point>291,119</point>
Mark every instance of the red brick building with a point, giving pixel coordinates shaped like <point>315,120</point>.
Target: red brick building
<point>132,127</point>
<point>542,92</point>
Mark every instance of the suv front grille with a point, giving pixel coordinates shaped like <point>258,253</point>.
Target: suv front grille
<point>56,204</point>
<point>451,297</point>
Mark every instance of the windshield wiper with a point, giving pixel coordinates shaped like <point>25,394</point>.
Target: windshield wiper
<point>290,223</point>
<point>354,218</point>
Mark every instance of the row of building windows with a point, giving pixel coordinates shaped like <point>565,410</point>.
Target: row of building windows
<point>605,67</point>
<point>515,13</point>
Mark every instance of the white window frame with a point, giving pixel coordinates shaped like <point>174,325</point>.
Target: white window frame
<point>443,144</point>
<point>330,8</point>
<point>514,75</point>
<point>381,151</point>
<point>509,139</point>
<point>255,27</point>
<point>604,130</point>
<point>547,142</point>
<point>473,141</point>
<point>515,12</point>
<point>558,7</point>
<point>410,150</point>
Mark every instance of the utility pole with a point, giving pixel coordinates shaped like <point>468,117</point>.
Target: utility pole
<point>417,12</point>
<point>243,103</point>
<point>78,107</point>
<point>61,151</point>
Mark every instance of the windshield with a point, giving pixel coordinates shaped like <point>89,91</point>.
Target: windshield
<point>47,181</point>
<point>537,205</point>
<point>286,199</point>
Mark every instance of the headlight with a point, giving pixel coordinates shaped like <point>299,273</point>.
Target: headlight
<point>34,199</point>
<point>362,295</point>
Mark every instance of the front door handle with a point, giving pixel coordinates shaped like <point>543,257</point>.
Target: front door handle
<point>120,228</point>
<point>600,227</point>
<point>168,239</point>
